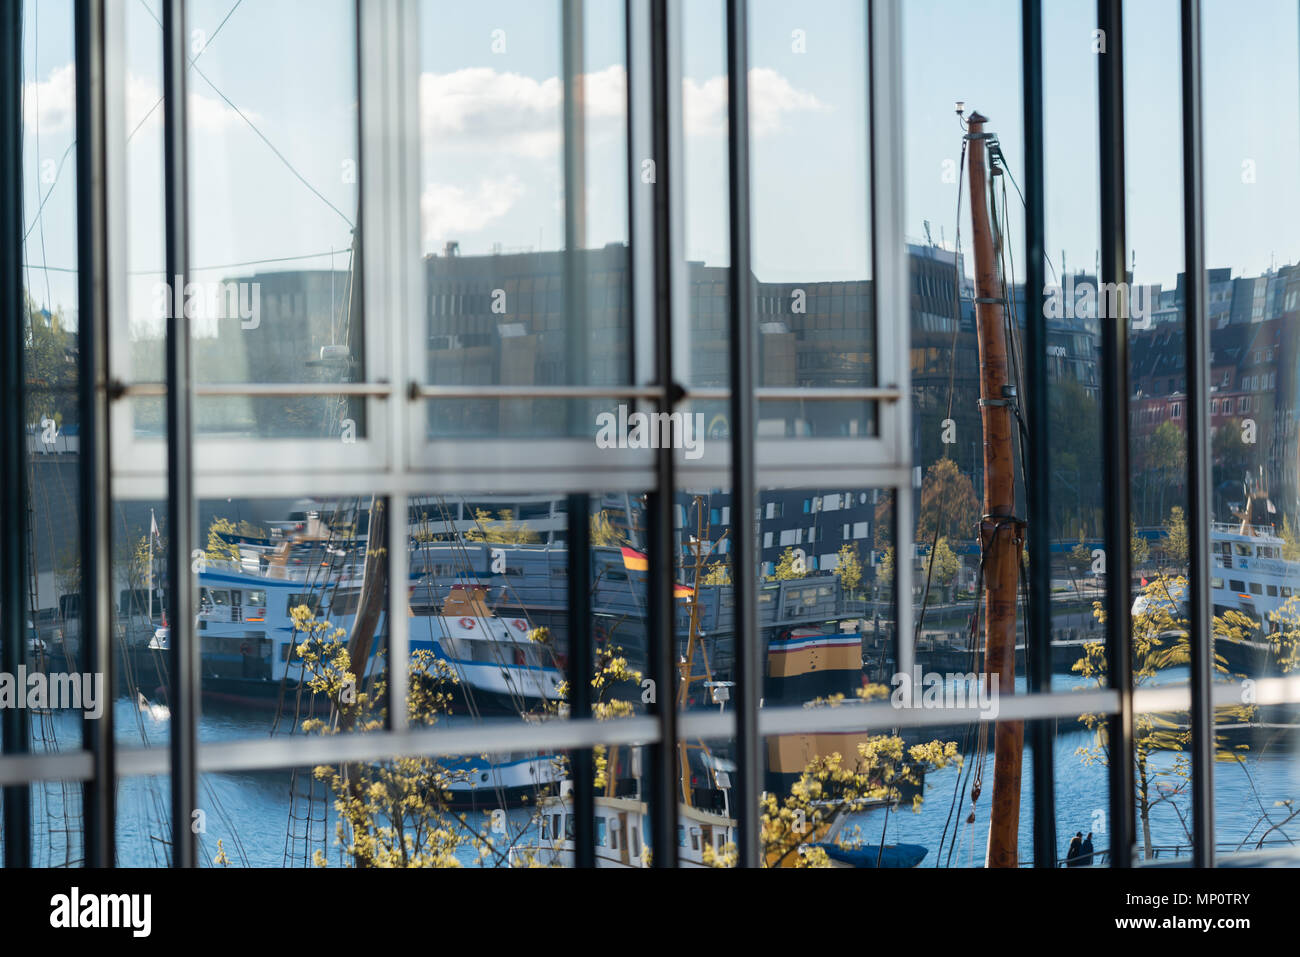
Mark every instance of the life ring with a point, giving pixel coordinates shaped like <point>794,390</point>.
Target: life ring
<point>467,622</point>
<point>520,624</point>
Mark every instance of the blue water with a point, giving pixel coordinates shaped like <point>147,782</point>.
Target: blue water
<point>250,812</point>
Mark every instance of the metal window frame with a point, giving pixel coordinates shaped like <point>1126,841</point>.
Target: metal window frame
<point>1042,733</point>
<point>1197,356</point>
<point>140,464</point>
<point>94,500</point>
<point>233,756</point>
<point>182,515</point>
<point>13,445</point>
<point>387,32</point>
<point>1115,426</point>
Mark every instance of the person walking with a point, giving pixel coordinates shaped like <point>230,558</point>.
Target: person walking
<point>1085,852</point>
<point>1076,848</point>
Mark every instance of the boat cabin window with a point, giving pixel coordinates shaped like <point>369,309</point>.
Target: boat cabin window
<point>1216,582</point>
<point>570,827</point>
<point>1272,591</point>
<point>219,597</point>
<point>1243,549</point>
<point>695,839</point>
<point>1237,585</point>
<point>1256,588</point>
<point>613,839</point>
<point>635,836</point>
<point>257,597</point>
<point>602,831</point>
<point>310,600</point>
<point>681,836</point>
<point>1286,591</point>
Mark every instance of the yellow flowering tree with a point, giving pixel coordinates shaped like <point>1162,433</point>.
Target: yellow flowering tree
<point>1161,641</point>
<point>397,812</point>
<point>836,784</point>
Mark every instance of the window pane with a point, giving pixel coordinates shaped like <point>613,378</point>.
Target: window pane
<point>493,215</point>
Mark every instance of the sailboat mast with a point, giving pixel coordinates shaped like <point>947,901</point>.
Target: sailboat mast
<point>1001,533</point>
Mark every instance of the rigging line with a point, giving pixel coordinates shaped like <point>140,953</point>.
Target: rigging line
<point>952,377</point>
<point>71,146</point>
<point>1017,353</point>
<point>254,128</point>
<point>247,262</point>
<point>46,199</point>
<point>271,146</point>
<point>144,119</point>
<point>194,269</point>
<point>36,96</point>
<point>1010,330</point>
<point>972,641</point>
<point>1003,161</point>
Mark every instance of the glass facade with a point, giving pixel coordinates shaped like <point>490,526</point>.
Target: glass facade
<point>668,434</point>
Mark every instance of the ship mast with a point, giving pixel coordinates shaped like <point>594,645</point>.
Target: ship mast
<point>687,664</point>
<point>1001,533</point>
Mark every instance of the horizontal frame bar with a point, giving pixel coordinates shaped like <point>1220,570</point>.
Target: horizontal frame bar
<point>810,394</point>
<point>649,393</point>
<point>377,390</point>
<point>298,751</point>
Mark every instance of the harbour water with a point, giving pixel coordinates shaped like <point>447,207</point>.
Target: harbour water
<point>250,813</point>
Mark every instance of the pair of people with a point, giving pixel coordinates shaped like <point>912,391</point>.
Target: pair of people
<point>1080,851</point>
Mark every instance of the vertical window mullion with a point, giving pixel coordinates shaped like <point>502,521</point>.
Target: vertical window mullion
<point>743,373</point>
<point>1197,344</point>
<point>891,297</point>
<point>181,518</point>
<point>1114,358</point>
<point>579,528</point>
<point>95,519</point>
<point>579,676</point>
<point>1038,477</point>
<point>13,441</point>
<point>664,787</point>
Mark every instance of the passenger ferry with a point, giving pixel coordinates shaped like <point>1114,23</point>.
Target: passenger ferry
<point>510,780</point>
<point>248,641</point>
<point>1249,573</point>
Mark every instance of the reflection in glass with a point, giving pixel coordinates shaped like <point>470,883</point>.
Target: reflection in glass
<point>493,215</point>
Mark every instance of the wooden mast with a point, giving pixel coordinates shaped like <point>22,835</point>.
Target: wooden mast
<point>1001,533</point>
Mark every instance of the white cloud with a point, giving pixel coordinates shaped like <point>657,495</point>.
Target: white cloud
<point>450,212</point>
<point>51,103</point>
<point>479,108</point>
<point>206,114</point>
<point>771,99</point>
<point>509,114</point>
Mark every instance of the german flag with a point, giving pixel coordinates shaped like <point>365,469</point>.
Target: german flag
<point>635,561</point>
<point>683,591</point>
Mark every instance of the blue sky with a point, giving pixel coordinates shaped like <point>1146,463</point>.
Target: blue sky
<point>491,122</point>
